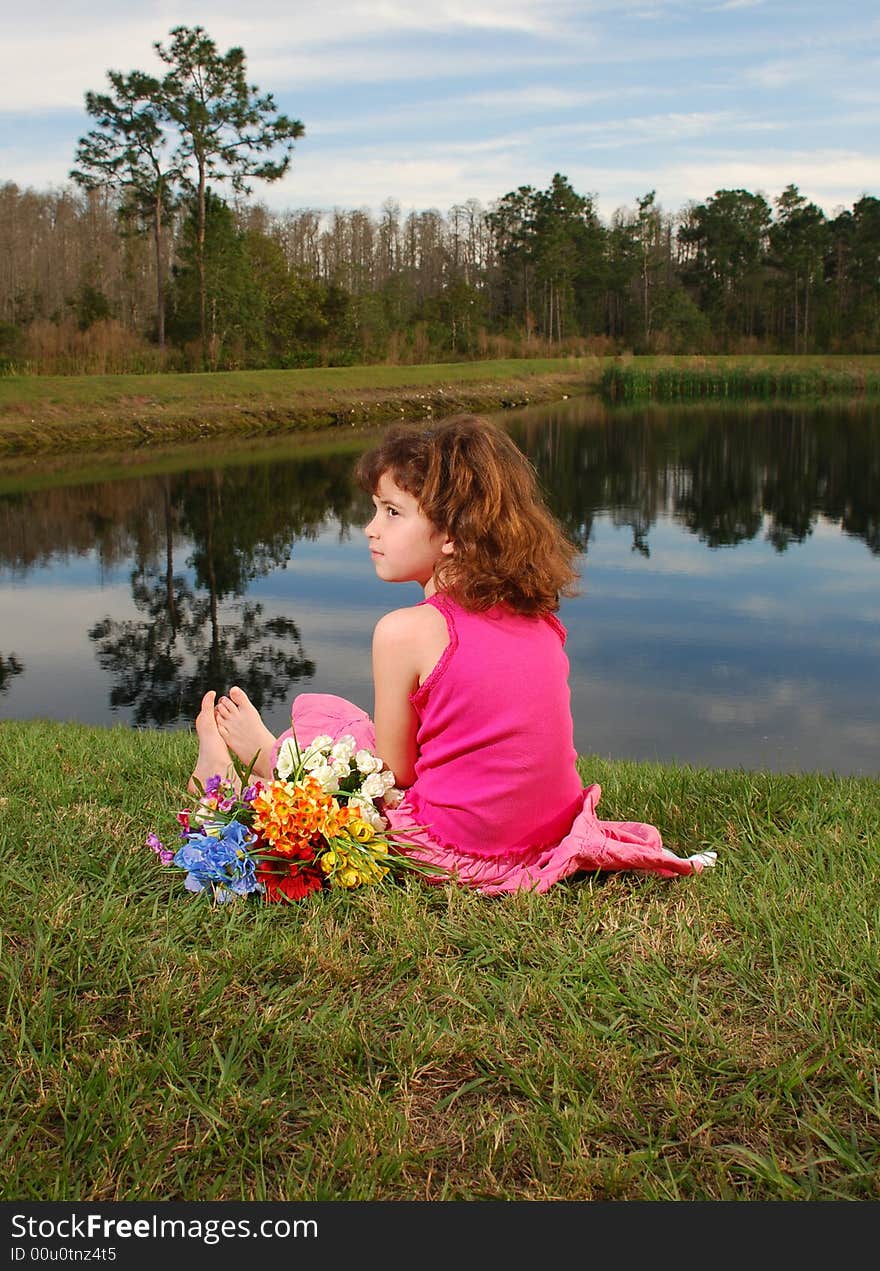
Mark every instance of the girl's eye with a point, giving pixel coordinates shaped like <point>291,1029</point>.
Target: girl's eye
<point>391,511</point>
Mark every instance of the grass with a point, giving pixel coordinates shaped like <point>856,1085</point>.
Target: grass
<point>689,379</point>
<point>42,413</point>
<point>42,416</point>
<point>621,1037</point>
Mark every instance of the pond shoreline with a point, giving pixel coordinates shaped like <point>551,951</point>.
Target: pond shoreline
<point>49,417</point>
<point>173,559</point>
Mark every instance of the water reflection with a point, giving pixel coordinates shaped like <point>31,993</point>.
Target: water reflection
<point>161,662</point>
<point>8,668</point>
<point>233,526</point>
<point>247,572</point>
<point>726,474</point>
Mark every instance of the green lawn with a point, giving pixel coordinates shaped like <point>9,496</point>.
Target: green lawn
<point>622,1037</point>
<point>44,412</point>
<point>270,386</point>
<point>53,414</point>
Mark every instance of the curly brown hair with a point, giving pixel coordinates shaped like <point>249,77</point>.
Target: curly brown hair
<point>475,484</point>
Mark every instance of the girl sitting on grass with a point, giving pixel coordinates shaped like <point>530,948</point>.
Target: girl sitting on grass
<point>472,704</point>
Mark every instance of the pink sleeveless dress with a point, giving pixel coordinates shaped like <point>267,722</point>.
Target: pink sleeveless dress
<point>496,786</point>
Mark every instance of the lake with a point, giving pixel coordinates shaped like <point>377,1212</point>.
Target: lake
<point>729,613</point>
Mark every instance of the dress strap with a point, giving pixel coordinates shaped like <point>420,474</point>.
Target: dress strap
<point>446,606</point>
<point>441,602</point>
<point>557,626</point>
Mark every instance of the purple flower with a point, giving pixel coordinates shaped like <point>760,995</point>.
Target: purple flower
<point>156,845</point>
<point>248,795</point>
<point>212,785</point>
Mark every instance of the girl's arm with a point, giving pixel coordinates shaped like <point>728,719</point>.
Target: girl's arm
<point>407,643</point>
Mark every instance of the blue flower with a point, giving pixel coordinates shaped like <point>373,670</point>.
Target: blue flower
<point>216,855</point>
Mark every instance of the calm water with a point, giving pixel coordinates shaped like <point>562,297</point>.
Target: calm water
<point>729,613</point>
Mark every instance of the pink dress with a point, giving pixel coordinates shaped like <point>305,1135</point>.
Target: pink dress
<point>496,786</point>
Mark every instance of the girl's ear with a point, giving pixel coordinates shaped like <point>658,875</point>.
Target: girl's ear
<point>448,547</point>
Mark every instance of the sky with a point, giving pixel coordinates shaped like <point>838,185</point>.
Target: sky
<point>432,104</point>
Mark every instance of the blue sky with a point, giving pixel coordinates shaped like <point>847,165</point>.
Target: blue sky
<point>433,105</point>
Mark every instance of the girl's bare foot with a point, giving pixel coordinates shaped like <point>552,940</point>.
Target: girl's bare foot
<point>214,756</point>
<point>241,727</point>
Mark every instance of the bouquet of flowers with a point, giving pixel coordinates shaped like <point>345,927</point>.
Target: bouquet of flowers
<point>318,823</point>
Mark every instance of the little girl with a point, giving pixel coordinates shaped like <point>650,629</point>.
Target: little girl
<point>472,705</point>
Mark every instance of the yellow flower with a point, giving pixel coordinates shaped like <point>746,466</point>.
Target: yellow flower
<point>350,863</point>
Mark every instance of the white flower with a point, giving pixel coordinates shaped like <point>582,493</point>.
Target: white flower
<point>315,753</point>
<point>367,811</point>
<point>392,797</point>
<point>340,765</point>
<point>326,778</point>
<point>367,762</point>
<point>286,761</point>
<point>344,748</point>
<point>373,786</point>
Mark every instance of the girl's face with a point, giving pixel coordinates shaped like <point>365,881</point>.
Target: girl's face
<point>404,544</point>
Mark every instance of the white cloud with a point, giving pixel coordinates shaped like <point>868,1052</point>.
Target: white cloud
<point>737,4</point>
<point>434,106</point>
<point>51,64</point>
<point>830,178</point>
<point>422,174</point>
<point>520,16</point>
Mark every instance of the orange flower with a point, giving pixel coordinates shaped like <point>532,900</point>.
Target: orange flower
<point>292,815</point>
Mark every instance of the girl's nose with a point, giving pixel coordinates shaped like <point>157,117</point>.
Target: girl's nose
<point>369,528</point>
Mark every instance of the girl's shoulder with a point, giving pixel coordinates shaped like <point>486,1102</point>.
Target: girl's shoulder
<point>410,623</point>
<point>408,643</point>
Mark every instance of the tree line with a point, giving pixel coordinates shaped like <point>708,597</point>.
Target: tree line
<point>536,272</point>
<point>141,263</point>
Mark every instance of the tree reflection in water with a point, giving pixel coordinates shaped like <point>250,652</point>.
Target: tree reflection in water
<point>9,667</point>
<point>162,666</point>
<point>164,663</point>
<point>727,474</point>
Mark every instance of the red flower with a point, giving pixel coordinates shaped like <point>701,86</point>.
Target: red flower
<point>285,880</point>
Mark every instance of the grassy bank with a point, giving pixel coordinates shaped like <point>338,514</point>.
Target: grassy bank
<point>51,413</point>
<point>736,379</point>
<point>621,1037</point>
